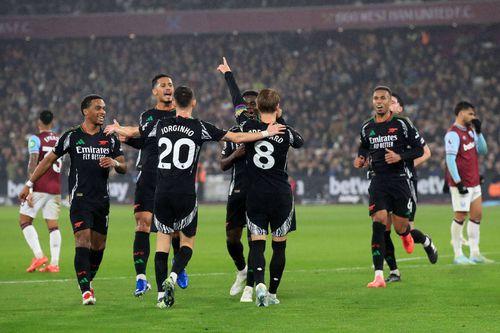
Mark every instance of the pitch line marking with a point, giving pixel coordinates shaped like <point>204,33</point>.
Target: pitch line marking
<point>321,270</point>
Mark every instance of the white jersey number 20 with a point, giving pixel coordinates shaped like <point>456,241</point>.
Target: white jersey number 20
<point>176,148</point>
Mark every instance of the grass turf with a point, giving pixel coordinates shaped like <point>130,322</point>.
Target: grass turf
<point>323,288</point>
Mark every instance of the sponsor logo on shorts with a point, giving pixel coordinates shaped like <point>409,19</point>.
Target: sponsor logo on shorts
<point>78,224</point>
<point>371,207</point>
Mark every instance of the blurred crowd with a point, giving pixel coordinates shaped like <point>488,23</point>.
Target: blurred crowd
<point>325,80</point>
<point>75,7</point>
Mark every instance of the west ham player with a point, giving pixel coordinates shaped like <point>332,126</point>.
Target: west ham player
<point>397,107</point>
<point>390,141</point>
<point>92,154</point>
<point>464,142</point>
<point>179,142</point>
<point>269,199</point>
<point>162,90</point>
<point>233,157</point>
<point>46,196</point>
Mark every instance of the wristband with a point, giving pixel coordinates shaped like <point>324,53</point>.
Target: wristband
<point>117,164</point>
<point>265,134</point>
<point>29,183</point>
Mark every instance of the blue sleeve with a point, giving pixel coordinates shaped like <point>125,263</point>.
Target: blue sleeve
<point>34,144</point>
<point>452,144</point>
<point>481,146</point>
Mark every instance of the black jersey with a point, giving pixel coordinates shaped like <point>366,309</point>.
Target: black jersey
<point>179,142</point>
<point>266,159</point>
<point>238,174</point>
<point>397,134</point>
<point>147,159</point>
<point>87,180</point>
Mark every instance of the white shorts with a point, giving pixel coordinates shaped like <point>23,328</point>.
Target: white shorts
<point>50,204</point>
<point>461,202</point>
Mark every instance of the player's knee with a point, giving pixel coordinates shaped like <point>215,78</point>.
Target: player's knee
<point>24,224</point>
<point>233,236</point>
<point>82,238</point>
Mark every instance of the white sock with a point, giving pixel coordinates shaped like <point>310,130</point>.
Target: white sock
<point>379,273</point>
<point>456,238</point>
<point>243,271</point>
<point>140,277</point>
<point>173,275</point>
<point>473,234</point>
<point>160,295</point>
<point>31,237</point>
<point>55,246</point>
<point>396,271</point>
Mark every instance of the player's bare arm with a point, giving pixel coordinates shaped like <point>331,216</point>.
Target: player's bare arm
<point>40,170</point>
<point>32,163</point>
<point>271,130</point>
<point>125,131</point>
<point>227,163</point>
<point>424,157</point>
<point>117,163</point>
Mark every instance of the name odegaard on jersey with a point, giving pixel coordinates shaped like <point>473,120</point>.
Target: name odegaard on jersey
<point>383,141</point>
<point>275,138</point>
<point>177,128</point>
<point>92,153</point>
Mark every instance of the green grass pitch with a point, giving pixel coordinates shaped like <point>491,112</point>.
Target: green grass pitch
<point>323,288</point>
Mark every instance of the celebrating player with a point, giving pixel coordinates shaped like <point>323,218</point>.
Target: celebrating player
<point>92,154</point>
<point>397,107</point>
<point>269,199</point>
<point>390,141</point>
<point>46,196</point>
<point>162,89</point>
<point>464,141</point>
<point>233,157</point>
<point>179,143</point>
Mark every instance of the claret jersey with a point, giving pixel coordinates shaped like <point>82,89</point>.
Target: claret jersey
<point>42,144</point>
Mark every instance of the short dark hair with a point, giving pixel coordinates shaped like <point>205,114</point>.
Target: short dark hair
<point>383,88</point>
<point>183,95</point>
<point>268,100</point>
<point>154,81</point>
<point>250,93</point>
<point>463,105</point>
<point>87,100</point>
<point>46,117</point>
<point>399,99</point>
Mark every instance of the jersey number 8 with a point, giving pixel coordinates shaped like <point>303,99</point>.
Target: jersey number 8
<point>262,158</point>
<point>176,148</point>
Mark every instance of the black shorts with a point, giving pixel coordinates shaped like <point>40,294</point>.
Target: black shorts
<point>176,212</point>
<point>89,215</point>
<point>395,195</point>
<point>236,211</point>
<point>144,196</point>
<point>271,210</point>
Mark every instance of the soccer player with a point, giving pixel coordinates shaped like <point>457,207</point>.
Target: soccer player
<point>92,154</point>
<point>390,141</point>
<point>233,157</point>
<point>464,142</point>
<point>397,107</point>
<point>179,143</point>
<point>269,199</point>
<point>46,196</point>
<point>162,90</point>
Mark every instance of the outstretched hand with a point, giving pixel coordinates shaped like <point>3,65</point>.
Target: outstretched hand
<point>224,67</point>
<point>275,129</point>
<point>113,128</point>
